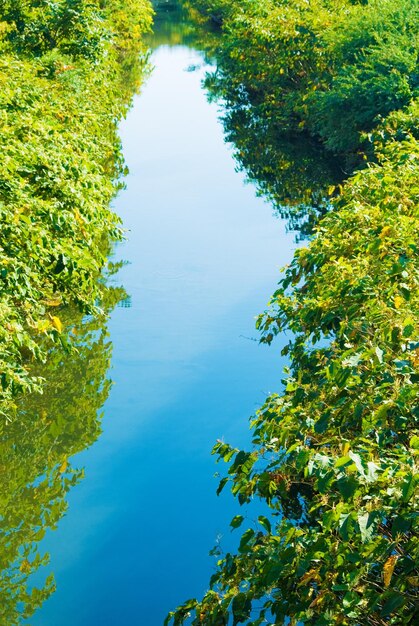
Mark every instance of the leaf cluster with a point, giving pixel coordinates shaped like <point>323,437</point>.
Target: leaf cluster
<point>326,68</point>
<point>60,167</point>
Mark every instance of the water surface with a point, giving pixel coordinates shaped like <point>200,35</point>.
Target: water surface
<point>203,256</point>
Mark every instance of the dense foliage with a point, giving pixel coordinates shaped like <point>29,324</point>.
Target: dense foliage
<point>334,457</point>
<point>331,67</point>
<point>68,70</point>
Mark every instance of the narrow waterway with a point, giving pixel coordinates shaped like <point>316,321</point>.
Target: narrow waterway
<point>203,254</point>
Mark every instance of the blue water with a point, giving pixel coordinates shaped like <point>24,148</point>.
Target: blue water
<point>203,257</point>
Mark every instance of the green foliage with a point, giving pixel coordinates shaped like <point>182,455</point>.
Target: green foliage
<point>334,457</point>
<point>171,25</point>
<point>59,166</point>
<point>75,27</point>
<point>329,68</point>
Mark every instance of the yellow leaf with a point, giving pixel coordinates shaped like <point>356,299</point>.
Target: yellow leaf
<point>388,569</point>
<point>385,231</point>
<point>78,217</point>
<point>63,466</point>
<point>398,301</point>
<point>56,322</point>
<point>309,576</point>
<point>415,358</point>
<point>330,190</point>
<point>43,326</point>
<point>25,567</point>
<point>53,302</point>
<point>345,448</point>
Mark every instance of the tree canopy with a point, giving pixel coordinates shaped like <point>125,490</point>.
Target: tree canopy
<point>69,69</point>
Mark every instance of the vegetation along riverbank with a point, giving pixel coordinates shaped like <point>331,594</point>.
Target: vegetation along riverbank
<point>334,457</point>
<point>68,71</point>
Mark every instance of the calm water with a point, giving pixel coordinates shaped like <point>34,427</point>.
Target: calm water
<point>203,257</point>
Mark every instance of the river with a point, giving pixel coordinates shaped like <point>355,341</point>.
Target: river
<point>203,254</point>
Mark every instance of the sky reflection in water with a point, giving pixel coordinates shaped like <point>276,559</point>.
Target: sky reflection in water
<point>203,255</point>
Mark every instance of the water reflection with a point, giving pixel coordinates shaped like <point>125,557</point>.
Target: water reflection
<point>172,26</point>
<point>291,170</point>
<point>204,253</point>
<point>35,448</point>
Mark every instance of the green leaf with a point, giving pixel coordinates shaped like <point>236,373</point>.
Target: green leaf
<point>325,481</point>
<point>246,538</point>
<point>393,602</point>
<point>345,525</point>
<point>343,461</point>
<point>240,460</point>
<point>408,330</point>
<point>237,521</point>
<point>358,463</point>
<point>347,486</point>
<point>263,521</point>
<point>409,486</point>
<point>366,526</point>
<point>351,599</point>
<point>241,607</point>
<point>222,484</point>
<point>401,524</point>
<point>379,353</point>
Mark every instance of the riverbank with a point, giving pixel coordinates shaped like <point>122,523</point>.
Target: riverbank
<point>334,456</point>
<point>68,75</point>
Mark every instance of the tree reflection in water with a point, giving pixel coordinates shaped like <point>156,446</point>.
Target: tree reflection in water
<point>36,447</point>
<point>290,169</point>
